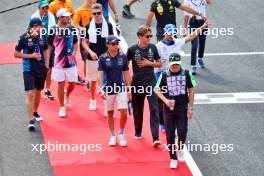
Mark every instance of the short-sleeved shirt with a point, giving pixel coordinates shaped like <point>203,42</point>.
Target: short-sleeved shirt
<point>105,8</point>
<point>28,45</point>
<point>165,11</point>
<point>165,49</point>
<point>100,46</point>
<point>142,75</point>
<point>63,45</point>
<point>198,5</point>
<point>56,5</point>
<point>82,16</point>
<point>113,68</point>
<point>175,86</point>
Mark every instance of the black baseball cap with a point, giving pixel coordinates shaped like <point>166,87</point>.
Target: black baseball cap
<point>174,59</point>
<point>35,22</point>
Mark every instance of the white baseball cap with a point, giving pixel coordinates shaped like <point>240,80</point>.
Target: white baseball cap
<point>63,12</point>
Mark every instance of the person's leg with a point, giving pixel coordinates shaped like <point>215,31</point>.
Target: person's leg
<point>154,115</point>
<point>138,108</point>
<point>30,103</point>
<point>60,92</point>
<point>70,88</point>
<point>131,2</point>
<point>202,41</point>
<point>48,79</point>
<point>37,100</point>
<point>170,123</point>
<point>126,9</point>
<point>110,121</point>
<point>182,127</point>
<point>93,89</point>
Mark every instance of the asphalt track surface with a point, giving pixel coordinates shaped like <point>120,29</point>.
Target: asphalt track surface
<point>239,124</point>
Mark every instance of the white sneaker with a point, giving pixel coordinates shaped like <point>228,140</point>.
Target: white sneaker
<point>92,105</point>
<point>122,140</point>
<point>112,141</point>
<point>173,164</point>
<point>156,143</point>
<point>67,101</point>
<point>181,156</point>
<point>62,112</point>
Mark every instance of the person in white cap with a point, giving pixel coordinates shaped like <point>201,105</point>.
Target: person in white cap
<point>65,42</point>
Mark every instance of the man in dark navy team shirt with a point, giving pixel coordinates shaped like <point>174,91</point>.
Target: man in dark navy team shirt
<point>35,64</point>
<point>113,66</point>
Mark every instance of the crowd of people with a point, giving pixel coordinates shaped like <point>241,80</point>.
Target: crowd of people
<point>156,67</point>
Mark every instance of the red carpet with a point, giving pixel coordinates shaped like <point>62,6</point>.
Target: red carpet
<point>7,54</point>
<point>84,127</point>
<point>90,127</point>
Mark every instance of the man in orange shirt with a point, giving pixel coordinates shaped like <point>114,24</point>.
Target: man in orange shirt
<point>82,18</point>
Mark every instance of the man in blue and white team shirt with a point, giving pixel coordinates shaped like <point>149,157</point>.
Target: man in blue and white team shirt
<point>166,47</point>
<point>114,73</point>
<point>194,23</point>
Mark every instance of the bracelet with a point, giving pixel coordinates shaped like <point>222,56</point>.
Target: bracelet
<point>190,107</point>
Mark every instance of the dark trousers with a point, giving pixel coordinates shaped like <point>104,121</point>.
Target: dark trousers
<point>175,119</point>
<point>138,109</point>
<point>198,43</point>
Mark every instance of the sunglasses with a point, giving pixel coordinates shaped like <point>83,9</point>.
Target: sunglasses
<point>97,13</point>
<point>114,44</point>
<point>148,36</point>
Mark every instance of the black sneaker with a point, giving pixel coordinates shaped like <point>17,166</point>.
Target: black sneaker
<point>37,117</point>
<point>80,80</point>
<point>126,12</point>
<point>31,125</point>
<point>48,95</point>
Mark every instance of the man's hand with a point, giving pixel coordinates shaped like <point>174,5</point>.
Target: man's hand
<point>204,17</point>
<point>144,63</point>
<point>94,56</point>
<point>129,96</point>
<point>189,113</point>
<point>36,56</point>
<point>116,18</point>
<point>169,103</point>
<point>102,94</point>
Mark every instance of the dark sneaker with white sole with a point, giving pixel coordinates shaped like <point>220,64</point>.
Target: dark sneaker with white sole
<point>31,126</point>
<point>48,95</point>
<point>37,117</point>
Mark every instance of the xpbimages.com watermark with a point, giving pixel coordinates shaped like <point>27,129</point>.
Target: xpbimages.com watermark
<point>211,148</point>
<point>82,149</point>
<point>215,32</point>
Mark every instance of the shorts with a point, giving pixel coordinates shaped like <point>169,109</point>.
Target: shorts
<point>121,99</point>
<point>91,70</point>
<point>65,74</point>
<point>51,60</point>
<point>32,82</point>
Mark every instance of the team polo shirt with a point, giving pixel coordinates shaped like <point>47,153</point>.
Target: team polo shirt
<point>105,8</point>
<point>198,5</point>
<point>28,44</point>
<point>143,75</point>
<point>164,11</point>
<point>113,68</point>
<point>175,86</point>
<point>63,43</point>
<point>82,16</point>
<point>165,49</point>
